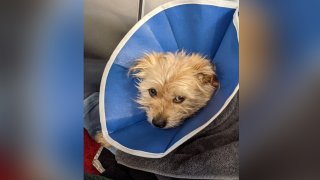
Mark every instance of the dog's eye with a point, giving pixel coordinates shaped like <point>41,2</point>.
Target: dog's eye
<point>178,99</point>
<point>152,92</point>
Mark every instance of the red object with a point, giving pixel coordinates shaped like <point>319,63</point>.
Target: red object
<point>90,150</point>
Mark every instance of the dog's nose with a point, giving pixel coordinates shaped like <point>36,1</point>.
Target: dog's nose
<point>158,122</point>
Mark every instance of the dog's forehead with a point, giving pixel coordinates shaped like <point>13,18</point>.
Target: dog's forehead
<point>181,87</point>
<point>169,76</point>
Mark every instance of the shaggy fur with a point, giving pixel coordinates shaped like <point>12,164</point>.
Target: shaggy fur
<point>173,86</point>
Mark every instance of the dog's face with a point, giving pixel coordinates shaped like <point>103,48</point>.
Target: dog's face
<point>173,86</point>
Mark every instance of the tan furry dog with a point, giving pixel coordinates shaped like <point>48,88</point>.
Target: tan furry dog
<point>173,86</point>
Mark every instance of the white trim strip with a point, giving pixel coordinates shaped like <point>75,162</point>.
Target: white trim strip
<point>219,3</point>
<point>96,163</point>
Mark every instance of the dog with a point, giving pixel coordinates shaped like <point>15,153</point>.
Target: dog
<point>173,86</point>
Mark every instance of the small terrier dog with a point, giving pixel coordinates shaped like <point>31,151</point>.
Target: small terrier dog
<point>173,86</point>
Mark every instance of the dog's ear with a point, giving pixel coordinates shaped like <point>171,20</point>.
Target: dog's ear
<point>141,65</point>
<point>205,73</point>
<point>208,79</point>
<point>137,68</point>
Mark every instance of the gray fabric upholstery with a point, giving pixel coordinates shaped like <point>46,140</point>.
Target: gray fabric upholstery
<point>105,24</point>
<point>93,70</point>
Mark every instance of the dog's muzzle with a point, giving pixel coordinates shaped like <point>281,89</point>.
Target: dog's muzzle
<point>159,122</point>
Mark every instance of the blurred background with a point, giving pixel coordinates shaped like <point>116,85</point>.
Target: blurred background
<point>279,89</point>
<point>41,89</point>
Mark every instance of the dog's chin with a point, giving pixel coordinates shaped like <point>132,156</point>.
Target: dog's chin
<point>172,126</point>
